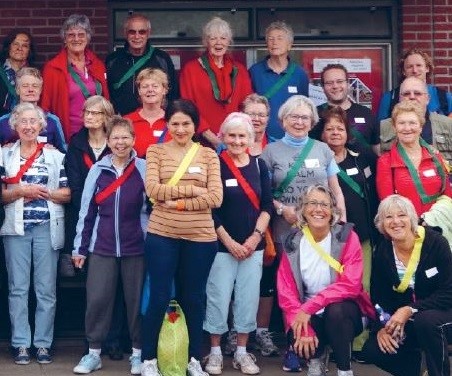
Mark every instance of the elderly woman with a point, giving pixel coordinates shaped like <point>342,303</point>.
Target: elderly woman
<point>18,51</point>
<point>319,283</point>
<point>412,168</point>
<point>35,186</point>
<point>276,77</point>
<point>215,82</point>
<point>111,229</point>
<point>257,108</point>
<point>73,75</point>
<point>412,283</point>
<point>416,63</point>
<point>238,264</point>
<point>29,88</point>
<point>148,121</point>
<point>181,242</point>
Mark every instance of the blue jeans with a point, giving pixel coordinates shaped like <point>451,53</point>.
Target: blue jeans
<point>20,252</point>
<point>188,263</point>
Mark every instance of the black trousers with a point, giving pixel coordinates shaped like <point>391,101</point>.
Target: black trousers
<point>430,332</point>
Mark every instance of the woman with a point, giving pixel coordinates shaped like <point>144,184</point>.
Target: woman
<point>257,108</point>
<point>73,75</point>
<point>181,242</point>
<point>412,168</point>
<point>148,121</point>
<point>35,187</point>
<point>29,88</point>
<point>111,229</point>
<point>416,63</point>
<point>238,264</point>
<point>319,283</point>
<point>412,283</point>
<point>18,51</point>
<point>87,146</point>
<point>215,82</point>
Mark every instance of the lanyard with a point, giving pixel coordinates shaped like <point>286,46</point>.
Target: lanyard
<point>330,260</point>
<point>134,68</point>
<point>213,79</point>
<point>25,166</point>
<point>81,85</point>
<point>281,81</point>
<point>104,194</point>
<point>413,262</point>
<point>425,198</point>
<point>351,183</point>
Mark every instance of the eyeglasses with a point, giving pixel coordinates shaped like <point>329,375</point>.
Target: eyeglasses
<point>94,113</point>
<point>134,32</point>
<point>337,82</point>
<point>416,93</point>
<point>76,35</point>
<point>303,118</point>
<point>314,204</point>
<point>260,115</point>
<point>123,138</point>
<point>31,121</point>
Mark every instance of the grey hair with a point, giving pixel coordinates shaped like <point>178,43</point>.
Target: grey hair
<point>336,212</point>
<point>404,204</point>
<point>76,20</point>
<point>234,120</point>
<point>27,71</point>
<point>133,17</point>
<point>27,106</point>
<point>105,103</point>
<point>295,101</point>
<point>255,99</point>
<point>216,24</point>
<point>280,25</point>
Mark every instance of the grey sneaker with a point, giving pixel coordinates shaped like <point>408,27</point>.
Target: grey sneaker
<point>231,343</point>
<point>316,368</point>
<point>246,363</point>
<point>213,364</point>
<point>194,368</point>
<point>264,343</point>
<point>344,373</point>
<point>150,368</point>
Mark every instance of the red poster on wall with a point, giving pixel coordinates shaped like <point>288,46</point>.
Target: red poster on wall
<point>364,66</point>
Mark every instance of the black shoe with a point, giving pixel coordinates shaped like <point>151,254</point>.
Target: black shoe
<point>357,356</point>
<point>115,353</point>
<point>66,267</point>
<point>21,355</point>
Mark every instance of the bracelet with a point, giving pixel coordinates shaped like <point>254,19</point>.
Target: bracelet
<point>261,233</point>
<point>180,205</point>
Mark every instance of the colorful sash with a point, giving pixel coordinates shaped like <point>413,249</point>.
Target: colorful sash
<point>25,166</point>
<point>80,83</point>
<point>104,194</point>
<point>281,81</point>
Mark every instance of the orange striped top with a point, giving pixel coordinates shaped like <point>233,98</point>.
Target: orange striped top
<point>195,221</point>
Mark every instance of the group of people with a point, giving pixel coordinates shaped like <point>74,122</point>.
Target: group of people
<point>229,189</point>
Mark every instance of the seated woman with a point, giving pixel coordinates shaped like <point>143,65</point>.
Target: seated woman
<point>412,282</point>
<point>319,283</point>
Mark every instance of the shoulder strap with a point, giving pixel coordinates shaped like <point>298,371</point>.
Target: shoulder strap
<point>351,183</point>
<point>80,83</point>
<point>25,166</point>
<point>283,79</point>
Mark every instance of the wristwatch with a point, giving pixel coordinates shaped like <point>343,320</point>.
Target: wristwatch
<point>261,233</point>
<point>279,209</point>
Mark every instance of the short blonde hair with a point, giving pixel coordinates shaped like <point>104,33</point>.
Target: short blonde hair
<point>27,71</point>
<point>407,107</point>
<point>154,74</point>
<point>117,121</point>
<point>105,103</point>
<point>216,25</point>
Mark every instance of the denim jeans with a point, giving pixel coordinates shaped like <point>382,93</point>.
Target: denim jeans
<point>188,263</point>
<point>20,252</point>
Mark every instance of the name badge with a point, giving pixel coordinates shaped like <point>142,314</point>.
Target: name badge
<point>231,183</point>
<point>32,171</point>
<point>429,173</point>
<point>311,163</point>
<point>360,121</point>
<point>431,272</point>
<point>292,89</point>
<point>157,133</point>
<point>367,172</point>
<point>352,171</point>
<point>42,139</point>
<point>194,170</point>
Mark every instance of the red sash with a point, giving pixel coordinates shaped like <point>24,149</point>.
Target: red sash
<point>103,195</point>
<point>88,162</point>
<point>25,166</point>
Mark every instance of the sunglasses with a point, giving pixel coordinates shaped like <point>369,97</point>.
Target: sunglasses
<point>134,32</point>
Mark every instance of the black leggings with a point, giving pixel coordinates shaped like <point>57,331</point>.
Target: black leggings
<point>337,326</point>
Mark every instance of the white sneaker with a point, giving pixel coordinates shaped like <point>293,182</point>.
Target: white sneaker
<point>316,368</point>
<point>149,368</point>
<point>88,364</point>
<point>194,368</point>
<point>246,363</point>
<point>135,365</point>
<point>213,364</point>
<point>344,373</point>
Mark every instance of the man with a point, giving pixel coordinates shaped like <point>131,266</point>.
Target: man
<point>364,127</point>
<point>124,64</point>
<point>276,77</point>
<point>437,130</point>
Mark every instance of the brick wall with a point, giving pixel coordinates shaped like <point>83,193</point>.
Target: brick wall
<point>427,24</point>
<point>43,19</point>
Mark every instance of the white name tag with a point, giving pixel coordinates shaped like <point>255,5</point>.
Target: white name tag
<point>32,171</point>
<point>429,173</point>
<point>292,89</point>
<point>311,163</point>
<point>352,171</point>
<point>194,170</point>
<point>367,172</point>
<point>431,272</point>
<point>231,183</point>
<point>42,139</point>
<point>360,121</point>
<point>157,133</point>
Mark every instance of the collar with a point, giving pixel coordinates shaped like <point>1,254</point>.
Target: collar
<point>268,69</point>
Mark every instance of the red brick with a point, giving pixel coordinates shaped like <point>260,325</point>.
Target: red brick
<point>424,36</point>
<point>28,22</point>
<point>424,18</point>
<point>46,13</point>
<point>440,17</point>
<point>14,13</point>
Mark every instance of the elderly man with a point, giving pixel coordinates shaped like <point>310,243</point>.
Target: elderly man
<point>437,130</point>
<point>124,64</point>
<point>276,77</point>
<point>364,126</point>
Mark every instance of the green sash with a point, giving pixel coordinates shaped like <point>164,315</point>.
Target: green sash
<point>351,183</point>
<point>80,83</point>
<point>11,89</point>
<point>213,79</point>
<point>133,69</point>
<point>281,81</point>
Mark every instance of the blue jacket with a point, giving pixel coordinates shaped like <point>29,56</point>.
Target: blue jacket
<point>117,226</point>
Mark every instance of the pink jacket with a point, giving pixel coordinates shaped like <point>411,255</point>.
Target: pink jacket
<point>346,248</point>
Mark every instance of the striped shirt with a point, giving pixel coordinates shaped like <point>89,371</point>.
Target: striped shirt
<point>195,222</point>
